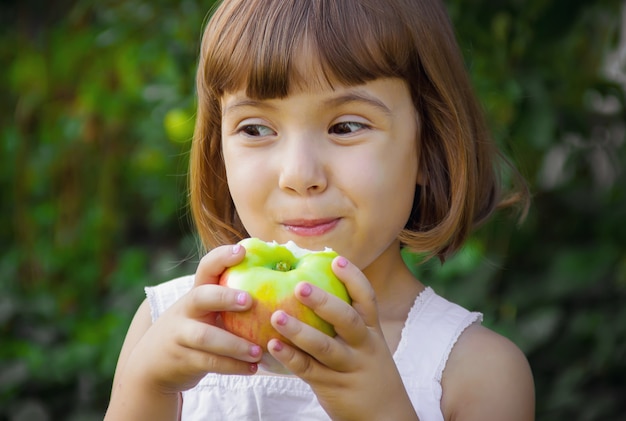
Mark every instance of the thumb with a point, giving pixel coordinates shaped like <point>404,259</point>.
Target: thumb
<point>359,288</point>
<point>214,263</point>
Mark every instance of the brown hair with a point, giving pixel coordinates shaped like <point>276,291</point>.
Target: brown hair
<point>253,44</point>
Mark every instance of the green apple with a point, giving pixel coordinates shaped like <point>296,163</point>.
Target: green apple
<point>269,273</point>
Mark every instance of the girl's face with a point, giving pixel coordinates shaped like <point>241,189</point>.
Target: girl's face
<point>326,167</point>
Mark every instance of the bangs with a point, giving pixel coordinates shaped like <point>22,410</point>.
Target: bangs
<point>270,47</point>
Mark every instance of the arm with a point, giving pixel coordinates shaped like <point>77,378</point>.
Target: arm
<point>487,378</point>
<point>149,403</point>
<point>161,359</point>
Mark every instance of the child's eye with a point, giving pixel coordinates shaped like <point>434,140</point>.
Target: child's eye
<point>346,127</point>
<point>256,130</point>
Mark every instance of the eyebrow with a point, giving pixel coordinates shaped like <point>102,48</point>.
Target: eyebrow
<point>247,102</point>
<point>359,97</point>
<point>350,97</point>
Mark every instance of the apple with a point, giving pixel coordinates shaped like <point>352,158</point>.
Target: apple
<point>269,272</point>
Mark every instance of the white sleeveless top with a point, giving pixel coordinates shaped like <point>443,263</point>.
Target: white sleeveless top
<point>431,330</point>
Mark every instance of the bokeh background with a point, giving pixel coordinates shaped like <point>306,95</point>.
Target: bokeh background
<point>96,106</point>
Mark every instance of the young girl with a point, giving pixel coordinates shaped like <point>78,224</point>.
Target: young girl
<point>347,124</point>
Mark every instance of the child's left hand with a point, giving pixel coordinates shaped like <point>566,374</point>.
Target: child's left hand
<point>353,374</point>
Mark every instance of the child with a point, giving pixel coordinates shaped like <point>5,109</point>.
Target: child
<point>347,124</point>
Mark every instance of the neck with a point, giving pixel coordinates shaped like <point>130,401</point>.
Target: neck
<point>393,282</point>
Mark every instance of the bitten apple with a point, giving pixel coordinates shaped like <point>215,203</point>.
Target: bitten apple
<point>269,273</point>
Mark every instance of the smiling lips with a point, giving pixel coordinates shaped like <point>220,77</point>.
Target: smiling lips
<point>311,227</point>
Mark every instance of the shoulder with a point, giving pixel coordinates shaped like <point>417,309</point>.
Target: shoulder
<point>487,377</point>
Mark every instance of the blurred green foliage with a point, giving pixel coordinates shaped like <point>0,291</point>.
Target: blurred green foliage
<point>97,110</point>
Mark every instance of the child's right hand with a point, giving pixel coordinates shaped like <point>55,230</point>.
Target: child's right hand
<point>186,342</point>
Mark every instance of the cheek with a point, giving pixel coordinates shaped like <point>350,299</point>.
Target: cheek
<point>390,189</point>
<point>394,177</point>
<point>251,182</point>
<point>244,178</point>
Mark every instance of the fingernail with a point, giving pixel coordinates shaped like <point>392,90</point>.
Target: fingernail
<point>305,289</point>
<point>242,298</point>
<point>281,319</point>
<point>342,262</point>
<point>277,346</point>
<point>253,368</point>
<point>255,350</point>
<point>236,248</point>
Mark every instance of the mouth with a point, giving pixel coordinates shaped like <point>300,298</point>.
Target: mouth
<point>310,227</point>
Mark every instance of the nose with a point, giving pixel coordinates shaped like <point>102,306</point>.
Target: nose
<point>302,164</point>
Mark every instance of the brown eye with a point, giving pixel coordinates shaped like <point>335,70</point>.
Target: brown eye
<point>256,130</point>
<point>346,127</point>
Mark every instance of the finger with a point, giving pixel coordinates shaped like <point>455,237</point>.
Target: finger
<point>206,299</point>
<point>359,289</point>
<point>346,320</point>
<point>296,361</point>
<point>211,340</point>
<point>214,263</point>
<point>312,341</point>
<point>212,363</point>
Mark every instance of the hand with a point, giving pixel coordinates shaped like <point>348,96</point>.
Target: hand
<point>345,372</point>
<point>185,342</point>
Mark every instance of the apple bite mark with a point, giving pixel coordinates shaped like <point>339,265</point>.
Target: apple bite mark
<point>270,272</point>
